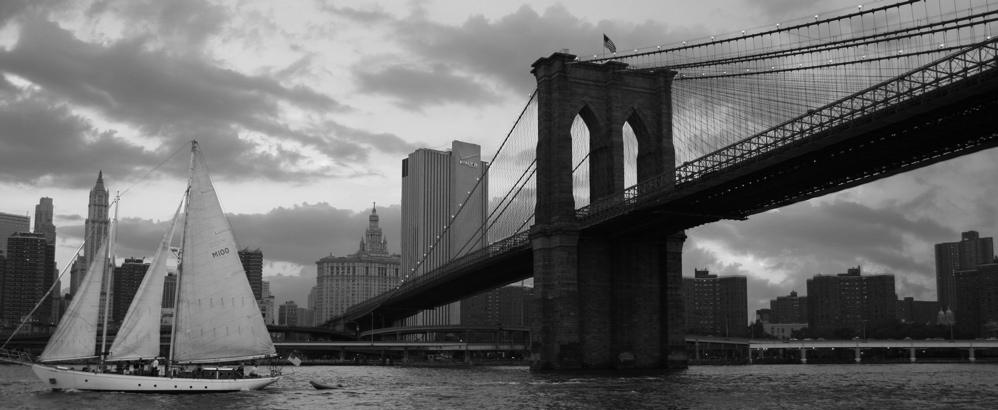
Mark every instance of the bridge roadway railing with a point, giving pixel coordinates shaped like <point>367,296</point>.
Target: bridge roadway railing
<point>512,244</point>
<point>874,103</point>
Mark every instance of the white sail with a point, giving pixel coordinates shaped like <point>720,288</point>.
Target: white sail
<point>138,336</point>
<point>217,317</point>
<point>76,335</point>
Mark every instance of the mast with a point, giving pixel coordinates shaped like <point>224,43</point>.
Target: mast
<point>183,241</point>
<point>109,276</point>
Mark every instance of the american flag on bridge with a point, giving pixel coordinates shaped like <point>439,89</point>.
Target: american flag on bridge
<point>609,44</point>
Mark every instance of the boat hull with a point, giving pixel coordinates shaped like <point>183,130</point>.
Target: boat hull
<point>62,379</point>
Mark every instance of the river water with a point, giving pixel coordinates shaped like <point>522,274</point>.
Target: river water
<point>870,386</point>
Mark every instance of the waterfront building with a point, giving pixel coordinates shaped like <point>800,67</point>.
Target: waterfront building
<point>850,300</point>
<point>971,251</point>
<point>9,224</point>
<point>763,315</point>
<point>910,310</point>
<point>789,309</point>
<point>127,279</point>
<point>444,210</point>
<point>287,314</point>
<point>253,265</point>
<point>977,312</point>
<point>27,276</point>
<point>342,282</point>
<point>716,305</point>
<point>507,306</point>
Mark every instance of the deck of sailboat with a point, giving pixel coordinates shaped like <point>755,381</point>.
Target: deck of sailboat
<point>61,378</point>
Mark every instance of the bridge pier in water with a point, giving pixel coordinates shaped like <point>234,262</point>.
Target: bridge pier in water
<point>605,298</point>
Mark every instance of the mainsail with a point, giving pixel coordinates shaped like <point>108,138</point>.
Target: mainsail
<point>217,318</point>
<point>76,335</point>
<point>138,336</point>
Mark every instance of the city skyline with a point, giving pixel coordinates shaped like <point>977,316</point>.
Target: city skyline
<point>312,148</point>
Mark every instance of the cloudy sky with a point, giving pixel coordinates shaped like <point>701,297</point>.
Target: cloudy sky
<point>304,110</point>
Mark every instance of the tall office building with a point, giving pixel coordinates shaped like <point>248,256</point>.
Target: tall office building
<point>342,282</point>
<point>716,305</point>
<point>253,265</point>
<point>788,309</point>
<point>266,304</point>
<point>43,219</point>
<point>435,186</point>
<point>27,276</point>
<point>9,224</point>
<point>95,231</point>
<point>850,300</point>
<point>127,279</point>
<point>287,314</point>
<point>971,251</point>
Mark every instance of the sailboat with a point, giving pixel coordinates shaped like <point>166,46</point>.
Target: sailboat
<point>216,317</point>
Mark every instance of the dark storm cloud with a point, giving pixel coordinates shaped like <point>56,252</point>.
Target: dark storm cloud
<point>171,98</point>
<point>41,140</point>
<point>416,87</point>
<point>500,50</point>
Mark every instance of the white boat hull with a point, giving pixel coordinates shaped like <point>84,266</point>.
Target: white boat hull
<point>62,379</point>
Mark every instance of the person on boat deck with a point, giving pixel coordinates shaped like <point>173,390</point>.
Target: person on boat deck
<point>251,371</point>
<point>197,372</point>
<point>155,367</point>
<point>240,371</point>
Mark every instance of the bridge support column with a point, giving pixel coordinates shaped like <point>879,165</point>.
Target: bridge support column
<point>911,351</point>
<point>803,355</point>
<point>405,355</point>
<point>859,355</point>
<point>343,354</point>
<point>972,358</point>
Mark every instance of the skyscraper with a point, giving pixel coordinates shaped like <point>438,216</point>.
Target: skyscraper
<point>27,275</point>
<point>342,282</point>
<point>971,251</point>
<point>287,314</point>
<point>127,279</point>
<point>43,219</point>
<point>10,223</point>
<point>253,265</point>
<point>95,231</point>
<point>716,305</point>
<point>267,304</point>
<point>444,210</point>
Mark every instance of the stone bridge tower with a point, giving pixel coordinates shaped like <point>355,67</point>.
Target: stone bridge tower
<point>603,300</point>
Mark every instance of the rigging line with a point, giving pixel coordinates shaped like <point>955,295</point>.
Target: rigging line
<point>154,169</point>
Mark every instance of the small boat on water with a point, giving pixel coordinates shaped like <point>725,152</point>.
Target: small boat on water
<point>320,386</point>
<point>216,319</point>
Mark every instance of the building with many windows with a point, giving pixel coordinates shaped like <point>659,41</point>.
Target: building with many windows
<point>127,279</point>
<point>971,251</point>
<point>507,306</point>
<point>26,277</point>
<point>287,314</point>
<point>342,282</point>
<point>253,265</point>
<point>976,314</point>
<point>788,309</point>
<point>9,224</point>
<point>716,305</point>
<point>267,304</point>
<point>444,210</point>
<point>850,301</point>
<point>910,310</point>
